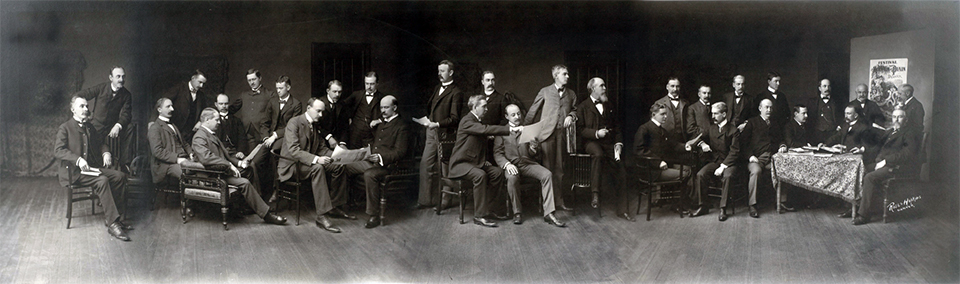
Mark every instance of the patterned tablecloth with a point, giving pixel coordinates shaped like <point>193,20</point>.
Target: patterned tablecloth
<point>836,175</point>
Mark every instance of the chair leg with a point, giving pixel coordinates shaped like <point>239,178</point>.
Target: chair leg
<point>463,199</point>
<point>298,205</point>
<point>599,205</point>
<point>383,204</point>
<point>69,206</point>
<point>223,211</point>
<point>573,190</point>
<point>884,208</point>
<point>649,204</point>
<point>183,210</point>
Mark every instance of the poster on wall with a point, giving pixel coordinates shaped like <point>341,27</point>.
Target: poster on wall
<point>886,77</point>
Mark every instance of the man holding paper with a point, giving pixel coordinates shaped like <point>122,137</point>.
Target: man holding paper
<point>603,140</point>
<point>79,148</point>
<point>554,108</point>
<point>443,114</point>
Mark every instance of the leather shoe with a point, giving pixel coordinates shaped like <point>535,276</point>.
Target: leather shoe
<point>373,222</point>
<point>274,219</point>
<point>325,223</point>
<point>626,217</point>
<point>338,213</point>
<point>860,220</point>
<point>753,211</point>
<point>845,214</point>
<point>552,220</point>
<point>484,222</point>
<point>788,208</point>
<point>564,208</point>
<point>116,231</point>
<point>498,217</point>
<point>682,210</point>
<point>421,206</point>
<point>702,210</point>
<point>517,219</point>
<point>595,202</point>
<point>723,214</point>
<point>125,227</point>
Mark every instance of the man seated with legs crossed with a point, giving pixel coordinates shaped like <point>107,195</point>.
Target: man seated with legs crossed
<point>518,160</point>
<point>652,141</point>
<point>211,153</point>
<point>722,159</point>
<point>389,145</point>
<point>304,142</point>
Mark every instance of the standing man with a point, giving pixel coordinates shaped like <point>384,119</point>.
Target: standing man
<point>675,110</point>
<point>110,109</point>
<point>722,159</point>
<point>443,114</point>
<point>79,148</point>
<point>469,160</point>
<point>335,119</point>
<point>390,145</point>
<point>780,112</point>
<point>872,113</point>
<point>698,113</point>
<point>518,160</point>
<point>912,107</point>
<point>653,141</point>
<point>304,143</point>
<point>898,156</point>
<point>211,154</point>
<point>285,107</point>
<point>756,143</point>
<point>188,101</point>
<point>496,101</point>
<point>257,114</point>
<point>603,140</point>
<point>828,113</point>
<point>554,107</point>
<point>739,104</point>
<point>232,133</point>
<point>363,107</point>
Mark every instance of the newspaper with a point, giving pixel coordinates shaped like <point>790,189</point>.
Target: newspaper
<point>91,172</point>
<point>530,132</point>
<point>345,156</point>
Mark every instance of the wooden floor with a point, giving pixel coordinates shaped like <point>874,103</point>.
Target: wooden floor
<point>810,246</point>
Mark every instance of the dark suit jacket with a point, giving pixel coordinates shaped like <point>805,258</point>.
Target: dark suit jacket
<point>445,108</point>
<point>871,112</point>
<point>335,119</point>
<point>390,140</point>
<point>257,113</point>
<point>234,135</point>
<point>302,142</point>
<point>739,113</point>
<point>676,117</point>
<point>795,135</point>
<point>166,146</point>
<point>779,116</point>
<point>698,118</point>
<point>210,152</point>
<point>292,108</point>
<point>470,150</point>
<point>915,114</point>
<point>496,104</point>
<point>186,113</point>
<point>106,110</point>
<point>755,140</point>
<point>654,142</point>
<point>826,116</point>
<point>69,148</point>
<point>901,150</point>
<point>548,101</point>
<point>859,135</point>
<point>590,120</point>
<point>506,150</point>
<point>721,144</point>
<point>361,112</point>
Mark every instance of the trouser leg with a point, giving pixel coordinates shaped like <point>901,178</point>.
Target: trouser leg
<point>513,191</point>
<point>543,175</point>
<point>428,168</point>
<point>755,170</point>
<point>250,194</point>
<point>371,178</point>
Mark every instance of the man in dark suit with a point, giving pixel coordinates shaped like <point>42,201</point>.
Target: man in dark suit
<point>898,156</point>
<point>210,152</point>
<point>827,115</point>
<point>912,107</point>
<point>188,101</point>
<point>756,143</point>
<point>256,111</point>
<point>653,141</point>
<point>232,133</point>
<point>555,107</point>
<point>303,142</point>
<point>109,104</point>
<point>795,133</point>
<point>79,148</point>
<point>469,161</point>
<point>389,146</point>
<point>285,107</point>
<point>169,149</point>
<point>443,114</point>
<point>780,112</point>
<point>722,159</point>
<point>854,135</point>
<point>363,107</point>
<point>698,113</point>
<point>335,116</point>
<point>496,102</point>
<point>739,104</point>
<point>519,160</point>
<point>871,111</point>
<point>598,128</point>
<point>676,109</point>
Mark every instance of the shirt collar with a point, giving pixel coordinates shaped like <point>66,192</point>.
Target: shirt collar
<point>307,116</point>
<point>391,118</point>
<point>485,92</point>
<point>722,123</point>
<point>164,119</point>
<point>771,90</point>
<point>190,88</point>
<point>78,120</point>
<point>853,122</point>
<point>447,84</point>
<point>208,129</point>
<point>908,100</point>
<point>475,115</point>
<point>655,122</point>
<point>118,89</point>
<point>223,114</point>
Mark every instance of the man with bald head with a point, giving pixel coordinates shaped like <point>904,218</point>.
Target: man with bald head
<point>899,156</point>
<point>912,108</point>
<point>389,146</point>
<point>756,144</point>
<point>872,113</point>
<point>739,104</point>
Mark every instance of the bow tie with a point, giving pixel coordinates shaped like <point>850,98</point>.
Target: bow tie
<point>560,90</point>
<point>825,98</point>
<point>369,95</point>
<point>674,99</point>
<point>598,102</point>
<point>283,101</point>
<point>738,95</point>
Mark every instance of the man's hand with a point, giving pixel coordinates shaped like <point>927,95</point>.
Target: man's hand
<point>239,155</point>
<point>663,165</point>
<point>881,164</point>
<point>333,142</point>
<point>877,126</point>
<point>115,131</point>
<point>83,165</point>
<point>838,128</point>
<point>705,147</point>
<point>511,169</point>
<point>269,141</point>
<point>196,126</point>
<point>617,149</point>
<point>857,150</point>
<point>433,125</point>
<point>325,160</point>
<point>243,164</point>
<point>719,170</point>
<point>374,123</point>
<point>373,159</point>
<point>753,159</point>
<point>602,133</point>
<point>107,160</point>
<point>533,147</point>
<point>783,149</point>
<point>567,121</point>
<point>741,126</point>
<point>181,160</point>
<point>235,171</point>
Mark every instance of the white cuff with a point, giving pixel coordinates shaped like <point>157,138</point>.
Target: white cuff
<point>328,137</point>
<point>316,159</point>
<point>121,126</point>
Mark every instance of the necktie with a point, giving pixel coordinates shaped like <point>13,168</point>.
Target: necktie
<point>674,99</point>
<point>560,90</point>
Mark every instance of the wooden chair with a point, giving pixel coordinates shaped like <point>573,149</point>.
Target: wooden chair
<point>402,175</point>
<point>288,190</point>
<point>895,185</point>
<point>580,165</point>
<point>648,175</point>
<point>206,185</point>
<point>736,194</point>
<point>444,150</point>
<point>77,194</point>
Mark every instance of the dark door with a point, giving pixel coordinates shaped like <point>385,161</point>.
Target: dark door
<point>346,62</point>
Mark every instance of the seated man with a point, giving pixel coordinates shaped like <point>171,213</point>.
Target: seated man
<point>469,160</point>
<point>722,160</point>
<point>389,145</point>
<point>167,146</point>
<point>603,140</point>
<point>79,148</point>
<point>519,160</point>
<point>795,133</point>
<point>853,136</point>
<point>652,141</point>
<point>898,157</point>
<point>304,142</point>
<point>210,152</point>
<point>755,143</point>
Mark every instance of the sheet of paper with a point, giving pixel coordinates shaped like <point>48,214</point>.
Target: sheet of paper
<point>345,156</point>
<point>92,172</point>
<point>530,132</point>
<point>422,120</point>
